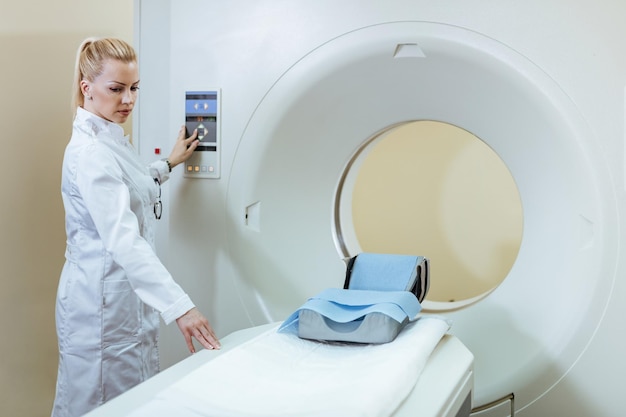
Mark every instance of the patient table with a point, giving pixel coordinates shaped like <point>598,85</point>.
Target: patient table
<point>444,387</point>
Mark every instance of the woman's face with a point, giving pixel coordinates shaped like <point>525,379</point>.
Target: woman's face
<point>113,93</point>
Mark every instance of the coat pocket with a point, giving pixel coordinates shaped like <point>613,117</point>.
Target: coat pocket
<point>120,313</point>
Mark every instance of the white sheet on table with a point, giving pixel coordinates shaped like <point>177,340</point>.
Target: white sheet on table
<point>278,374</point>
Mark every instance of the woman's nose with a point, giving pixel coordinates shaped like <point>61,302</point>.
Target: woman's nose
<point>129,97</point>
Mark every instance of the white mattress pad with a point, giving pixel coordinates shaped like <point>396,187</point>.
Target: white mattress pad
<point>278,374</point>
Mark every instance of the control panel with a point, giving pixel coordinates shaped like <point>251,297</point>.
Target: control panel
<point>202,112</point>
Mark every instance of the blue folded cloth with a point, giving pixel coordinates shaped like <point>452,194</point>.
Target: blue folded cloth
<point>384,272</point>
<point>378,302</point>
<point>343,306</point>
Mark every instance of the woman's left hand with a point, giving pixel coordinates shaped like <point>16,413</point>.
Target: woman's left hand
<point>184,147</point>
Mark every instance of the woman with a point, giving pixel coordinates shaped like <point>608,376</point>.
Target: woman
<point>113,286</point>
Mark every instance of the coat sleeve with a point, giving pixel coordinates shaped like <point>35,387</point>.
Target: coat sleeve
<point>159,170</point>
<point>107,198</point>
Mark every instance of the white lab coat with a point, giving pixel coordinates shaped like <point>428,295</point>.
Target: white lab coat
<point>112,286</point>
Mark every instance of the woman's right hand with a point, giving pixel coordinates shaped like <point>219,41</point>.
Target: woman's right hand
<point>194,324</point>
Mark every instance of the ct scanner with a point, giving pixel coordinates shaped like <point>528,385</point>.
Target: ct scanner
<point>304,85</point>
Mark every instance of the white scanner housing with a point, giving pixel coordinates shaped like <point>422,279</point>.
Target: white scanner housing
<point>304,84</point>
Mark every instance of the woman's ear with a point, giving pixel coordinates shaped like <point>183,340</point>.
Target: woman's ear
<point>85,88</point>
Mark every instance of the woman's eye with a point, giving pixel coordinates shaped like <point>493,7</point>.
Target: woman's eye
<point>118,90</point>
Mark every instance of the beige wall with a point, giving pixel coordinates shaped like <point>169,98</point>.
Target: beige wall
<point>38,40</point>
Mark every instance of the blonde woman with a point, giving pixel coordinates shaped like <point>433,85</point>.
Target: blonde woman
<point>113,287</point>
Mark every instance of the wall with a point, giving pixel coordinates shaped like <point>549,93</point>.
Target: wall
<point>38,42</point>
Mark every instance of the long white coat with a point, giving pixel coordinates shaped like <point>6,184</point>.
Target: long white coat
<point>112,286</point>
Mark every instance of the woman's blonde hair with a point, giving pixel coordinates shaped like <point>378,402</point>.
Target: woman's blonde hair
<point>90,61</point>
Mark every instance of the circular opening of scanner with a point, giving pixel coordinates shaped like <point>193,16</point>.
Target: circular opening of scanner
<point>430,188</point>
<point>284,228</point>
